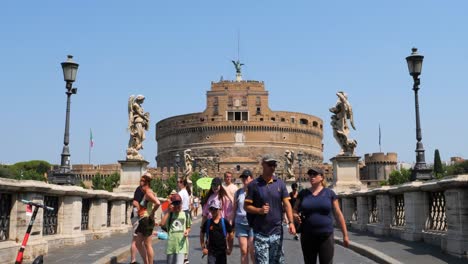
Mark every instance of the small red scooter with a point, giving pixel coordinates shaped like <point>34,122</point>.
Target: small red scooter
<point>19,257</point>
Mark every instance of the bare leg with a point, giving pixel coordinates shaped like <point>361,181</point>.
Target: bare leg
<point>133,250</point>
<point>251,249</point>
<point>149,250</point>
<point>243,250</point>
<point>139,243</point>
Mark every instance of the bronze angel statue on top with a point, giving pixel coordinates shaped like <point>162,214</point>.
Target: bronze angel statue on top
<point>138,122</point>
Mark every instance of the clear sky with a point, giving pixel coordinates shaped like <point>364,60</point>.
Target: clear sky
<point>170,51</point>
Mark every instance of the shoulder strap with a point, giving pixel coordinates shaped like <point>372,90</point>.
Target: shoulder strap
<point>186,219</point>
<point>169,223</point>
<point>207,227</point>
<point>260,192</point>
<point>223,226</point>
<point>236,195</point>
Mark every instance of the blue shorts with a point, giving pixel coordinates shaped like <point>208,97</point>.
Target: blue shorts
<point>243,230</point>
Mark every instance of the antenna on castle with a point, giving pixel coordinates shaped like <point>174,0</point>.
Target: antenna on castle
<point>238,45</point>
<point>238,64</point>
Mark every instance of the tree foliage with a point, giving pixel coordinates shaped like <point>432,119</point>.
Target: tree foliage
<point>163,188</point>
<point>438,168</point>
<point>457,168</point>
<point>107,183</point>
<point>399,176</point>
<point>26,170</point>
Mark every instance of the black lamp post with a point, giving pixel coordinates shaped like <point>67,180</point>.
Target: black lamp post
<point>177,164</point>
<point>420,170</point>
<point>63,174</point>
<point>299,160</point>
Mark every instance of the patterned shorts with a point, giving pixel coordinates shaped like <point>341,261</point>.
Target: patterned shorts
<point>268,249</point>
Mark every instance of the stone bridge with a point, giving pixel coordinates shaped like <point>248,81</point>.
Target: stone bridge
<point>423,222</point>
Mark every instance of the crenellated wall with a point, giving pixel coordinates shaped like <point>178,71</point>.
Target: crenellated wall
<point>378,167</point>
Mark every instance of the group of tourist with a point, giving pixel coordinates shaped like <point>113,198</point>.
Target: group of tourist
<point>254,214</point>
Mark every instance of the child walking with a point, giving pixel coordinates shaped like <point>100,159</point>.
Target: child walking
<point>216,235</point>
<point>177,223</point>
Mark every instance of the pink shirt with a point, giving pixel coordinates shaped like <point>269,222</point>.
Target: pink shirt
<point>226,206</point>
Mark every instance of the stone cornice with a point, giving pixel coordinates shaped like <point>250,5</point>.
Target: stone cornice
<point>233,128</point>
<point>460,181</point>
<point>29,186</point>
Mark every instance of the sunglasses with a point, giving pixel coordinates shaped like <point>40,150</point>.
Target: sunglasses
<point>272,164</point>
<point>213,209</point>
<point>176,203</point>
<point>180,181</point>
<point>313,175</point>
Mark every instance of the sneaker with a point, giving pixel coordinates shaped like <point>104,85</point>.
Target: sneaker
<point>186,261</point>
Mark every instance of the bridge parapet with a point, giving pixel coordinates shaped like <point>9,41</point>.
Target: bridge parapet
<point>79,215</point>
<point>435,212</point>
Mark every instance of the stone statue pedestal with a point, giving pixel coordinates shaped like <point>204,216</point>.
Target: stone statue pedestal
<point>130,173</point>
<point>346,174</point>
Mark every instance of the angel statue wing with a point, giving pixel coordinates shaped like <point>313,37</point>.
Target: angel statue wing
<point>130,111</point>
<point>351,116</point>
<point>348,110</point>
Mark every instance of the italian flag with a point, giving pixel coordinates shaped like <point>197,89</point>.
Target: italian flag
<point>91,141</point>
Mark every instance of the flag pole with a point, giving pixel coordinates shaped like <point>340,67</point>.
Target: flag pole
<point>380,139</point>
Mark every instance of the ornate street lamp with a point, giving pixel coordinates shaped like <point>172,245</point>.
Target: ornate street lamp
<point>420,170</point>
<point>177,164</point>
<point>63,175</point>
<point>299,161</point>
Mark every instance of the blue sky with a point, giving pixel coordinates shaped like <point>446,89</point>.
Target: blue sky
<point>170,51</point>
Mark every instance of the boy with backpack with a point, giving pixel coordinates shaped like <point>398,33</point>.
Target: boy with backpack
<point>177,224</point>
<point>216,235</point>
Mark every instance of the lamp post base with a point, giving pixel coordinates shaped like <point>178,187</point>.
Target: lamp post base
<point>422,174</point>
<point>62,177</point>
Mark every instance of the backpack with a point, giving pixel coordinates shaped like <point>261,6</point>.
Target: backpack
<point>187,216</point>
<point>208,224</point>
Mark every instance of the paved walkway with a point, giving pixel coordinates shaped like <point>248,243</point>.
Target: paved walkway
<point>292,248</point>
<point>378,248</point>
<point>399,250</point>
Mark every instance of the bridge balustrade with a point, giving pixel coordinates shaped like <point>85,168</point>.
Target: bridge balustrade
<point>435,212</point>
<point>79,215</point>
<point>5,210</point>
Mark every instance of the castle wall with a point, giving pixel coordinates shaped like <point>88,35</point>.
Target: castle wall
<point>238,123</point>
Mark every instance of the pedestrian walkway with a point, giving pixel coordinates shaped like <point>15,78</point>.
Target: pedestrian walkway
<point>292,249</point>
<point>371,249</point>
<point>395,250</point>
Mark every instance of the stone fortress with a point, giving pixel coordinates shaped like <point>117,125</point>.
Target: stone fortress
<point>236,129</point>
<point>378,167</point>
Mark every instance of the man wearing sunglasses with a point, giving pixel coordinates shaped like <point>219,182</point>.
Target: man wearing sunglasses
<point>266,198</point>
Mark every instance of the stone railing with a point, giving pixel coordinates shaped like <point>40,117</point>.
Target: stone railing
<point>435,212</point>
<point>80,215</point>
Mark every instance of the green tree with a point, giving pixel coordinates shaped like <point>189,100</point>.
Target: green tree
<point>399,176</point>
<point>164,188</point>
<point>196,190</point>
<point>438,168</point>
<point>6,172</point>
<point>98,182</point>
<point>112,181</point>
<point>457,168</point>
<point>26,170</point>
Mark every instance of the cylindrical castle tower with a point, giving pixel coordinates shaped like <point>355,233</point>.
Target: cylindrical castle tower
<point>237,128</point>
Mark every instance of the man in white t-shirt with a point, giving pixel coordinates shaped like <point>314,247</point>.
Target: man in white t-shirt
<point>230,187</point>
